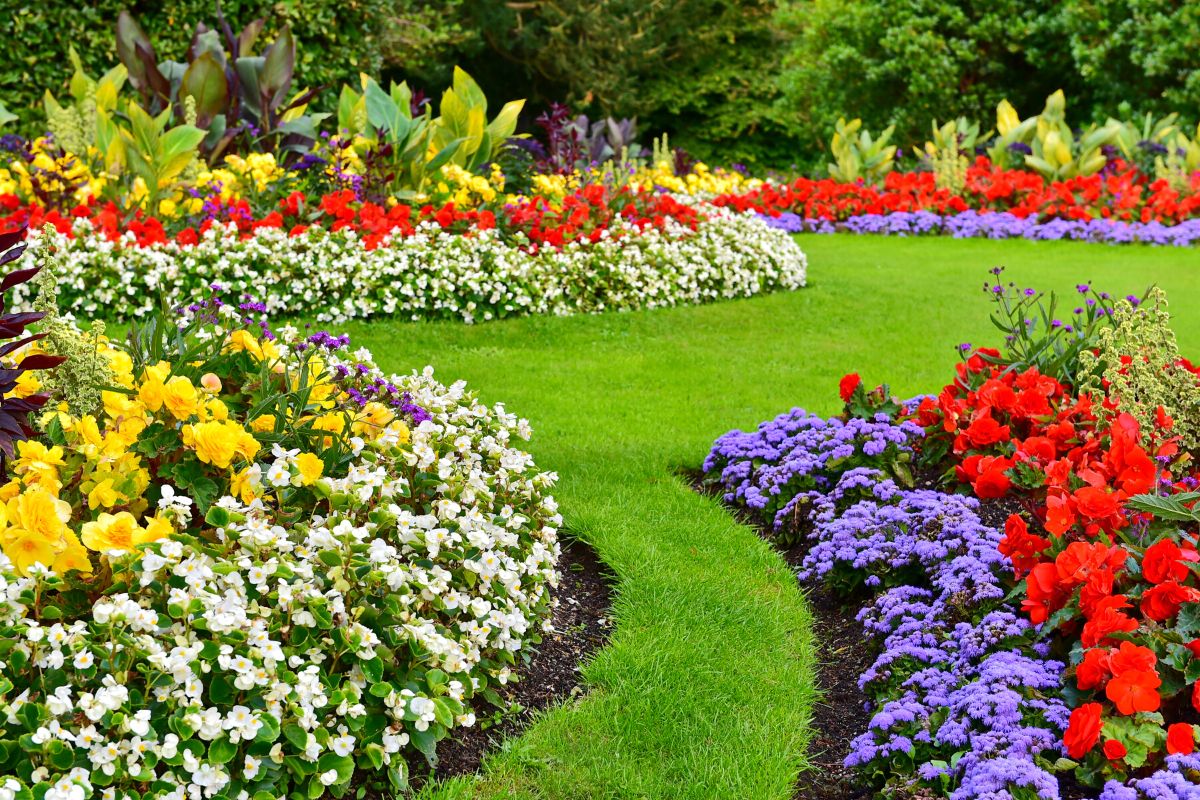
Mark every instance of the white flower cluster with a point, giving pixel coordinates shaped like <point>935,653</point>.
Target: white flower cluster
<point>288,648</point>
<point>433,273</point>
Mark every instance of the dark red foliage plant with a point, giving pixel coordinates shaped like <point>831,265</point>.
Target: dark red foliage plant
<point>14,410</point>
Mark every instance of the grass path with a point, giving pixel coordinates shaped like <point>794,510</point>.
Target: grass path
<point>705,689</point>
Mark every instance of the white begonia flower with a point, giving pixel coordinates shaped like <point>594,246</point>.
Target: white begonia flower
<point>278,474</point>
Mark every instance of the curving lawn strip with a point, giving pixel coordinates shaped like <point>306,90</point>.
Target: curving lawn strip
<point>705,689</point>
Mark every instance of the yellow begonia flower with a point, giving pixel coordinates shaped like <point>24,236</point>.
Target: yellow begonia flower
<point>152,393</point>
<point>217,443</point>
<point>114,532</point>
<point>89,430</point>
<point>215,409</point>
<point>121,407</point>
<point>27,384</point>
<point>158,528</point>
<point>241,340</point>
<point>244,484</point>
<point>180,398</point>
<point>401,430</point>
<point>39,464</point>
<point>9,490</point>
<point>311,467</point>
<point>105,494</point>
<point>263,424</point>
<point>34,531</point>
<point>375,417</point>
<point>74,556</point>
<point>334,423</point>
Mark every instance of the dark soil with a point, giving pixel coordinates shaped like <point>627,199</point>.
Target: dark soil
<point>551,676</point>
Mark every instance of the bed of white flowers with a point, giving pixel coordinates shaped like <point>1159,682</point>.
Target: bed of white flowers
<point>276,652</point>
<point>433,274</point>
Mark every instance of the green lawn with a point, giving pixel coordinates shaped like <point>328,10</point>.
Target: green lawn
<point>705,689</point>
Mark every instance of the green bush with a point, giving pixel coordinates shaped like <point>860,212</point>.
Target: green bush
<point>906,62</point>
<point>1141,51</point>
<point>702,70</point>
<point>337,40</point>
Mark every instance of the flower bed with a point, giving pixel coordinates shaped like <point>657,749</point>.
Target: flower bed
<point>241,561</point>
<point>1118,205</point>
<point>1023,549</point>
<point>995,225</point>
<point>431,271</point>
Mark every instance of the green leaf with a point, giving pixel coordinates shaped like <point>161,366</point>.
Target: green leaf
<point>375,755</point>
<point>296,735</point>
<point>344,765</point>
<point>268,730</point>
<point>1171,508</point>
<point>222,751</point>
<point>204,80</point>
<point>217,517</point>
<point>384,113</point>
<point>373,669</point>
<point>277,69</point>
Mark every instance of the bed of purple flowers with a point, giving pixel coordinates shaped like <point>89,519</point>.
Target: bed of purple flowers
<point>967,699</point>
<point>995,225</point>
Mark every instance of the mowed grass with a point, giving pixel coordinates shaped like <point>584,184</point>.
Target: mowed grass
<point>706,687</point>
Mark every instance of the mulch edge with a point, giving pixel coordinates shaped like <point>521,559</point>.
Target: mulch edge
<point>549,674</point>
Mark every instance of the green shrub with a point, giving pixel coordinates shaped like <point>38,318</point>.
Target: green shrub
<point>906,62</point>
<point>1139,50</point>
<point>702,70</point>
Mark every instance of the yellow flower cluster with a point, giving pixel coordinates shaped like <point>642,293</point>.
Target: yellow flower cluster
<point>700,181</point>
<point>89,491</point>
<point>50,174</point>
<point>240,176</point>
<point>466,190</point>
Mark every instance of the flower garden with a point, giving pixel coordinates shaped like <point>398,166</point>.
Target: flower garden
<point>359,442</point>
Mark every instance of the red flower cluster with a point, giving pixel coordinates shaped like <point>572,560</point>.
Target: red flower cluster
<point>1120,192</point>
<point>1073,464</point>
<point>588,215</point>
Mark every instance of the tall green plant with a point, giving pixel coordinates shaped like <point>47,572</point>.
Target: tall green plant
<point>155,153</point>
<point>404,152</point>
<point>1058,153</point>
<point>463,119</point>
<point>222,87</point>
<point>84,122</point>
<point>857,155</point>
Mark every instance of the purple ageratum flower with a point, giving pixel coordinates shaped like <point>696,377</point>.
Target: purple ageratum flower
<point>1171,783</point>
<point>981,695</point>
<point>996,225</point>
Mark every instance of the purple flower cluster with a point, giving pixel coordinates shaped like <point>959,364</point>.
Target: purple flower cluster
<point>362,388</point>
<point>964,699</point>
<point>996,225</point>
<point>1179,781</point>
<point>798,458</point>
<point>905,536</point>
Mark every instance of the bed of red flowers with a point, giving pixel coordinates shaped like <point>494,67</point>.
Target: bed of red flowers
<point>1119,192</point>
<point>1116,586</point>
<point>587,215</point>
